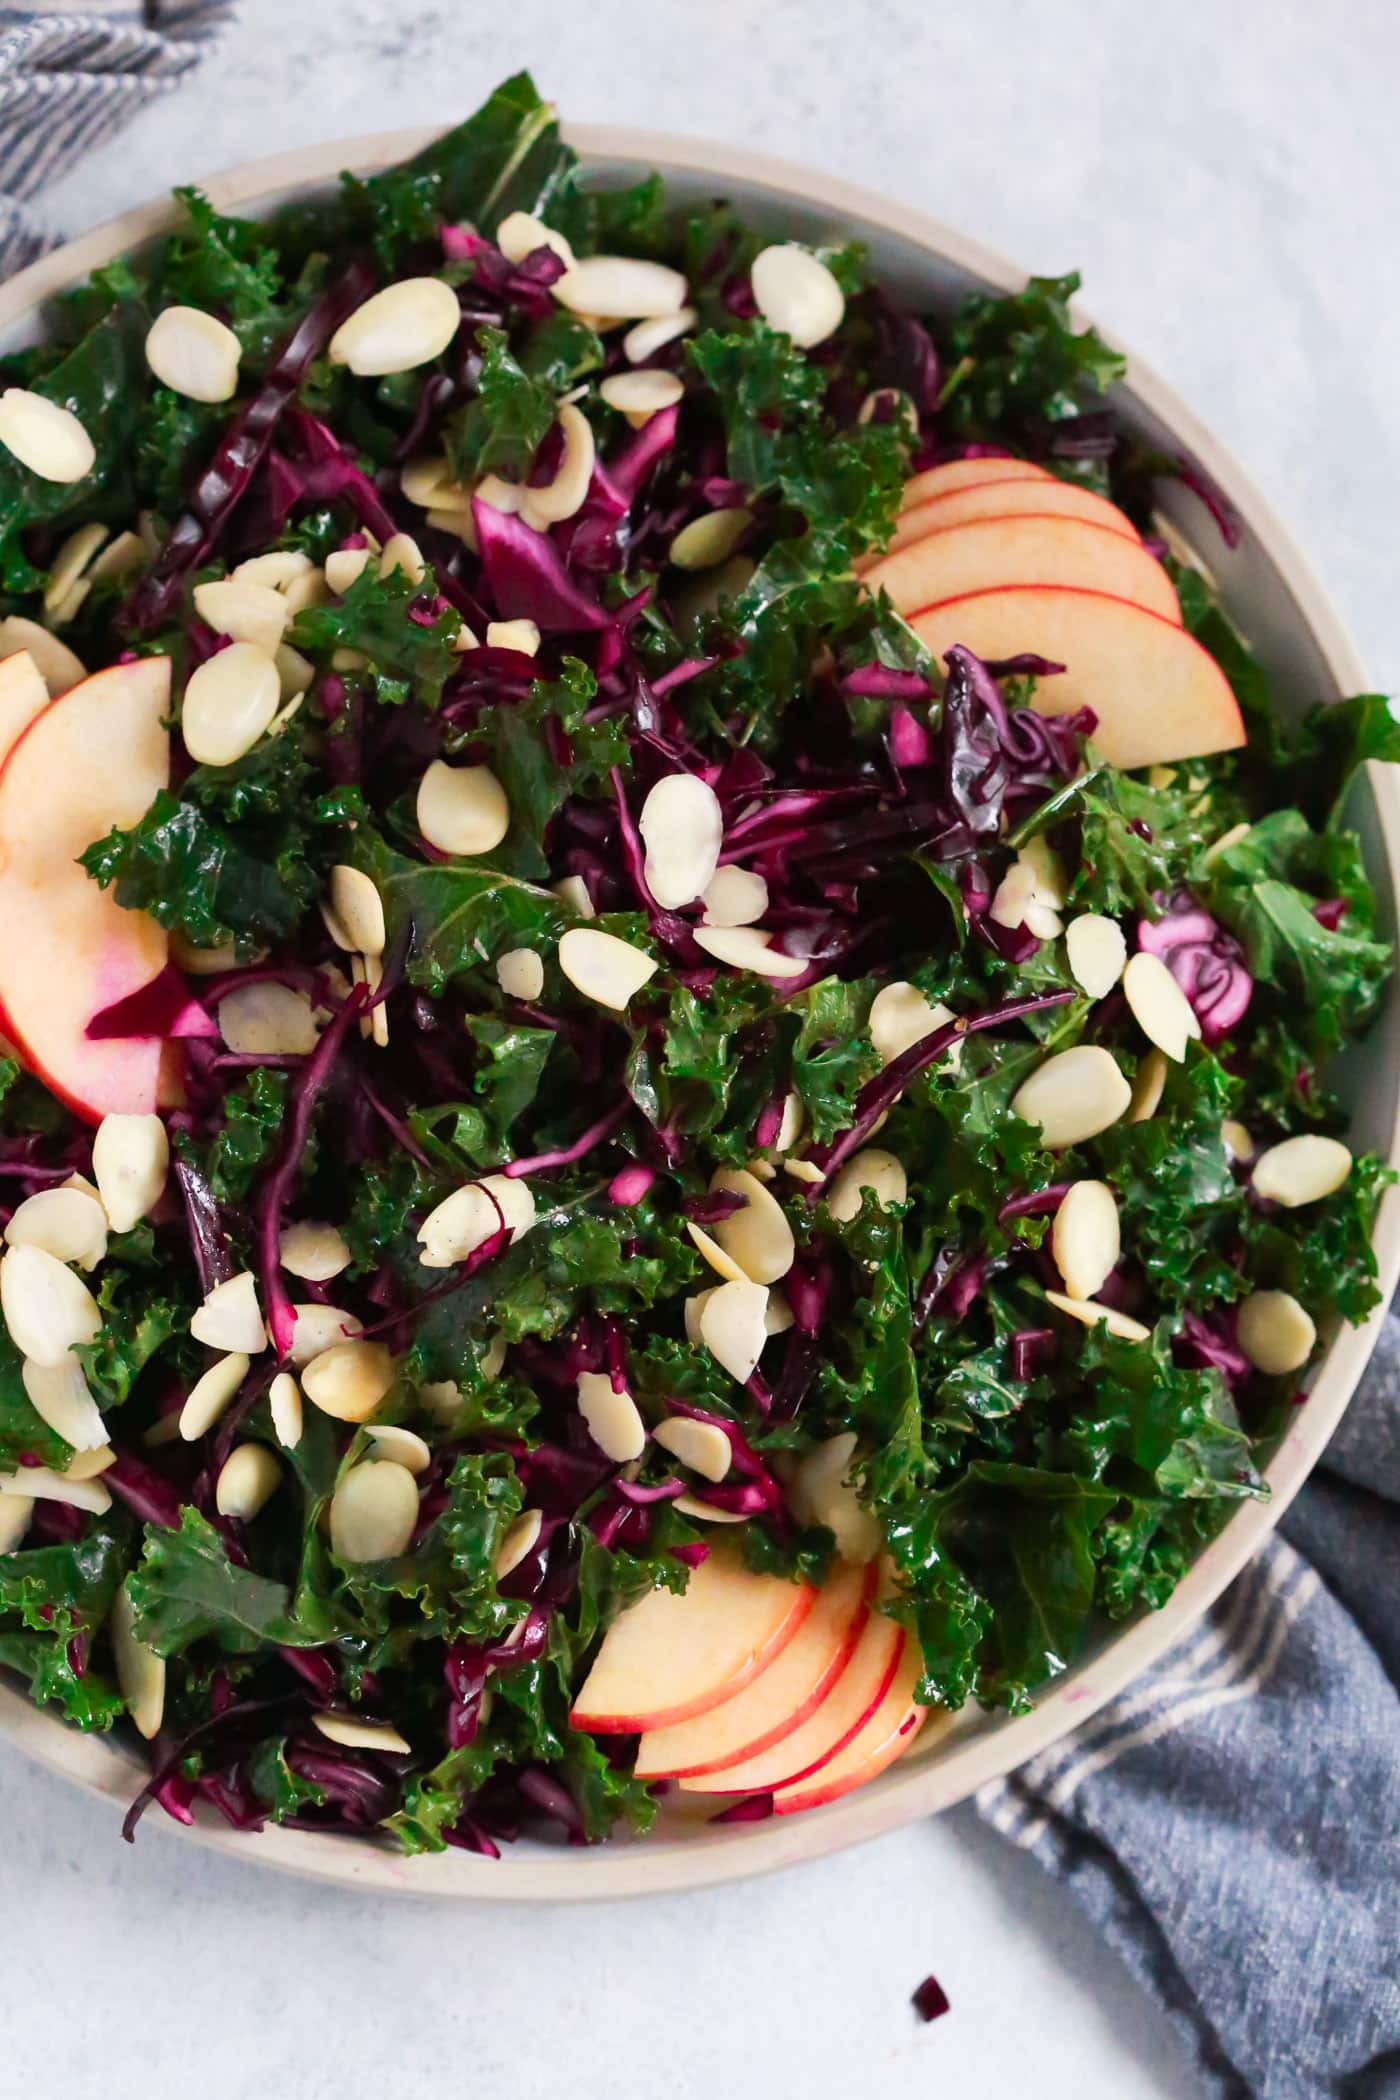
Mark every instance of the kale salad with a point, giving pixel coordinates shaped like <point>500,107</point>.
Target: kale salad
<point>678,967</point>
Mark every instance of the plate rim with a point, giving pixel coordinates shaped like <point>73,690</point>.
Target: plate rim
<point>904,1792</point>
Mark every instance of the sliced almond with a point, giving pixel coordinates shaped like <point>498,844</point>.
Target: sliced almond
<point>404,1446</point>
<point>709,539</point>
<point>59,1395</point>
<point>1090,1315</point>
<point>901,1016</point>
<point>701,1512</point>
<point>42,1484</point>
<point>47,1309</point>
<point>316,1328</point>
<point>44,437</point>
<point>1097,953</point>
<point>246,612</point>
<point>821,1491</point>
<point>1237,1141</point>
<point>359,908</point>
<point>603,968</point>
<point>523,636</point>
<point>229,702</point>
<point>315,1252</point>
<point>804,1170</point>
<point>70,563</point>
<point>1275,1332</point>
<point>208,962</point>
<point>797,294</point>
<point>872,1169</point>
<point>86,1465</point>
<point>522,1537</point>
<point>66,1223</point>
<point>778,1317</point>
<point>53,660</point>
<point>248,1479</point>
<point>284,1405</point>
<point>1159,1006</point>
<point>1149,1082</point>
<point>230,1319</point>
<point>564,496</point>
<point>462,809</point>
<point>406,325</point>
<point>701,1446</point>
<point>276,569</point>
<point>732,1327</point>
<point>711,1251</point>
<point>792,1122</point>
<point>1073,1096</point>
<point>349,1380</point>
<point>1084,1238</point>
<point>344,566</point>
<point>520,973</point>
<point>748,948</point>
<point>572,893</point>
<point>353,1733</point>
<point>268,1020</point>
<point>682,828</point>
<point>734,897</point>
<point>130,1161</point>
<point>613,1419</point>
<point>472,1215</point>
<point>1226,840</point>
<point>621,288</point>
<point>374,1512</point>
<point>194,354</point>
<point>140,1671</point>
<point>648,337</point>
<point>1301,1170</point>
<point>211,1395</point>
<point>641,395</point>
<point>123,556</point>
<point>759,1236</point>
<point>295,673</point>
<point>402,555</point>
<point>520,234</point>
<point>16,1515</point>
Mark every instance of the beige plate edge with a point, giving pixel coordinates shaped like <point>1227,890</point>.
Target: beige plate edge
<point>903,1793</point>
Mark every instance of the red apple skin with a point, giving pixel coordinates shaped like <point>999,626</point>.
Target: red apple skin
<point>93,758</point>
<point>1029,551</point>
<point>854,1697</point>
<point>885,1736</point>
<point>1003,499</point>
<point>780,1609</point>
<point>1159,696</point>
<point>678,1766</point>
<point>966,474</point>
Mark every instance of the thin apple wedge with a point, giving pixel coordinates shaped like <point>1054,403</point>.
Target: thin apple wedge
<point>95,757</point>
<point>1157,694</point>
<point>1003,553</point>
<point>671,1656</point>
<point>967,473</point>
<point>1005,499</point>
<point>779,1699</point>
<point>846,1708</point>
<point>887,1734</point>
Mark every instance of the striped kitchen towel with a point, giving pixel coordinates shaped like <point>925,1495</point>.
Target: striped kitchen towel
<point>69,79</point>
<point>1231,1823</point>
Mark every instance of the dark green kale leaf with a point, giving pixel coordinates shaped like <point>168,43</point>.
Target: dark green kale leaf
<point>543,753</point>
<point>407,658</point>
<point>462,914</point>
<point>185,1589</point>
<point>1018,366</point>
<point>1148,1426</point>
<point>833,1056</point>
<point>500,429</point>
<point>1323,1255</point>
<point>248,1136</point>
<point>53,1601</point>
<point>1179,1203</point>
<point>229,267</point>
<point>23,1431</point>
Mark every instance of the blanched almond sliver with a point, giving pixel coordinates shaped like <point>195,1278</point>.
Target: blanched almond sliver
<point>1097,953</point>
<point>359,908</point>
<point>1084,1238</point>
<point>734,897</point>
<point>374,1511</point>
<point>604,968</point>
<point>620,288</point>
<point>47,1309</point>
<point>404,1446</point>
<point>522,1537</point>
<point>1149,1082</point>
<point>682,829</point>
<point>1073,1095</point>
<point>872,1169</point>
<point>1091,1315</point>
<point>1301,1170</point>
<point>130,1160</point>
<point>748,948</point>
<point>1159,1006</point>
<point>758,1237</point>
<point>612,1418</point>
<point>1275,1332</point>
<point>354,1733</point>
<point>701,1446</point>
<point>230,1319</point>
<point>398,329</point>
<point>796,293</point>
<point>462,809</point>
<point>248,1480</point>
<point>732,1327</point>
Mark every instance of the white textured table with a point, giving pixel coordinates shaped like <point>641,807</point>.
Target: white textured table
<point>1226,180</point>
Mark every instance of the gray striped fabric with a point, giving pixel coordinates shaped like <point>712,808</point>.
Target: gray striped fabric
<point>68,80</point>
<point>1232,1822</point>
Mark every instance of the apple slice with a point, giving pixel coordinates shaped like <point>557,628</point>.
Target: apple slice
<point>93,758</point>
<point>1158,695</point>
<point>846,1708</point>
<point>966,474</point>
<point>1004,499</point>
<point>989,554</point>
<point>669,1656</point>
<point>884,1737</point>
<point>779,1699</point>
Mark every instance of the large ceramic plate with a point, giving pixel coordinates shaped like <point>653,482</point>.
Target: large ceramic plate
<point>1268,589</point>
